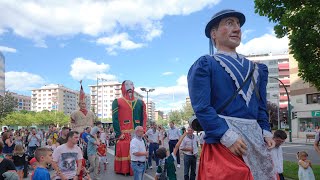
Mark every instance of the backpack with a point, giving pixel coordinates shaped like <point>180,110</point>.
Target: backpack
<point>163,175</point>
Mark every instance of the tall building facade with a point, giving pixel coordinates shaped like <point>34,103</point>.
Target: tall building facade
<point>24,102</point>
<point>305,100</point>
<point>102,96</point>
<point>279,68</point>
<point>158,115</point>
<point>2,75</point>
<point>151,107</point>
<point>56,97</point>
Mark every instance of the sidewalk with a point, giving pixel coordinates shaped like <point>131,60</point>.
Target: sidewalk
<point>301,141</point>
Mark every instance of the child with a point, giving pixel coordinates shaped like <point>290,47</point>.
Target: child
<point>50,145</point>
<point>169,169</point>
<point>34,164</point>
<point>19,159</point>
<point>305,169</point>
<point>44,157</point>
<point>102,153</point>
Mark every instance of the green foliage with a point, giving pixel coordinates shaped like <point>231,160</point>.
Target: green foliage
<point>23,118</point>
<point>175,116</point>
<point>186,113</point>
<point>181,117</point>
<point>300,21</point>
<point>7,105</point>
<point>162,122</point>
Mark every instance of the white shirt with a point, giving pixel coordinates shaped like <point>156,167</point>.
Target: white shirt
<point>190,143</point>
<point>174,134</point>
<point>277,156</point>
<point>153,137</point>
<point>137,145</point>
<point>201,138</point>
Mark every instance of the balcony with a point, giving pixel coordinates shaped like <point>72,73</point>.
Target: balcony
<point>283,66</point>
<point>285,81</point>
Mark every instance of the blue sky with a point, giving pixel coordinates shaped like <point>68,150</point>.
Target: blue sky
<point>152,43</point>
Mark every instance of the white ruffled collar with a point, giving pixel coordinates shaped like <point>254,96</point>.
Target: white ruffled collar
<point>232,54</point>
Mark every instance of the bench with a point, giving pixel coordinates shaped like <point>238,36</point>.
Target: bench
<point>310,136</point>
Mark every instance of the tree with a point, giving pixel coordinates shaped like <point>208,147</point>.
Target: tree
<point>186,113</point>
<point>299,20</point>
<point>273,112</point>
<point>7,105</point>
<point>162,122</point>
<point>175,116</point>
<point>45,118</point>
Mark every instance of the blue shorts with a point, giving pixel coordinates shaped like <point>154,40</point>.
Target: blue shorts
<point>19,168</point>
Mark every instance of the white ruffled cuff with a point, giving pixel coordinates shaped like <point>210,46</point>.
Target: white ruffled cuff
<point>229,138</point>
<point>266,133</point>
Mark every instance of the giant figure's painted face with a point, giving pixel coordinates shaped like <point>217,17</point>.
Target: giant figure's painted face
<point>127,89</point>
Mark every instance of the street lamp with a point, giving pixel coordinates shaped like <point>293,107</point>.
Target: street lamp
<point>289,108</point>
<point>147,90</point>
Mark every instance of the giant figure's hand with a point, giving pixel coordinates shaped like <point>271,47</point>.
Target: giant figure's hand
<point>239,147</point>
<point>270,142</point>
<point>122,136</point>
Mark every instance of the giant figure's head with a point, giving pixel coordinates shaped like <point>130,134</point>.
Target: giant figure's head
<point>224,29</point>
<point>127,89</point>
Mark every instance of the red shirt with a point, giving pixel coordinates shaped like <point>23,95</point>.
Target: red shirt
<point>102,149</point>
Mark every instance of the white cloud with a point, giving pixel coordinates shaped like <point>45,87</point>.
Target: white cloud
<point>167,73</point>
<point>7,49</point>
<point>169,98</point>
<point>37,19</point>
<point>22,81</point>
<point>245,33</point>
<point>268,43</point>
<point>118,41</point>
<point>87,69</point>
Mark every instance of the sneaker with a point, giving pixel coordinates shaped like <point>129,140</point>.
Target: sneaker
<point>150,167</point>
<point>178,166</point>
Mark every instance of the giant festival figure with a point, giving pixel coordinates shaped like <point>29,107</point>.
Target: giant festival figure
<point>82,118</point>
<point>228,95</point>
<point>127,113</point>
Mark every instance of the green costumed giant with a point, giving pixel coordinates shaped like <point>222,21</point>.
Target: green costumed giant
<point>127,113</point>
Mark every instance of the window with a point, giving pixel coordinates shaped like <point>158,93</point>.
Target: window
<point>313,98</point>
<point>273,70</point>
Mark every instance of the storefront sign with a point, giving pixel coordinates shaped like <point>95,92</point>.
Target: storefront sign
<point>315,113</point>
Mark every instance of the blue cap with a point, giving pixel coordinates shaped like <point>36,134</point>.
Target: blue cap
<point>216,18</point>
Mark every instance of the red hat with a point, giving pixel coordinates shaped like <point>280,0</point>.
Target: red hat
<point>33,160</point>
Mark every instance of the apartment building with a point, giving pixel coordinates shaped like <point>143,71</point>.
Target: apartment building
<point>102,96</point>
<point>305,100</point>
<point>278,66</point>
<point>151,107</point>
<point>2,74</point>
<point>158,115</point>
<point>56,97</point>
<point>24,102</point>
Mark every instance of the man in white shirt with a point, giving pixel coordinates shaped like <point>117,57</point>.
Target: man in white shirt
<point>153,139</point>
<point>189,146</point>
<point>174,136</point>
<point>279,137</point>
<point>138,154</point>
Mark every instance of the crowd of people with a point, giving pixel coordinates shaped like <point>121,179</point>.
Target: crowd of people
<point>88,149</point>
<point>22,147</point>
